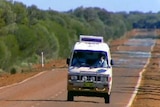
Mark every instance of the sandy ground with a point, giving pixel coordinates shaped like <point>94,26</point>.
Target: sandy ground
<point>149,91</point>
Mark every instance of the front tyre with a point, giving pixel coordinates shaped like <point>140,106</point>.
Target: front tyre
<point>70,96</point>
<point>107,98</point>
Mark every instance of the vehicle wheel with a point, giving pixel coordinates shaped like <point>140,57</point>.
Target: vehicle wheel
<point>70,96</point>
<point>107,98</point>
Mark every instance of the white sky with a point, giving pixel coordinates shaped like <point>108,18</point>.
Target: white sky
<point>110,5</point>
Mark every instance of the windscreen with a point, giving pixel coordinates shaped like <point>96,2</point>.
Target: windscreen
<point>85,58</point>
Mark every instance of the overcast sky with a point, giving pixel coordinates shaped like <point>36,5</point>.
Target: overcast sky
<point>110,5</point>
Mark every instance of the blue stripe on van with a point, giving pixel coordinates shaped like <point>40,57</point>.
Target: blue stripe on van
<point>101,71</point>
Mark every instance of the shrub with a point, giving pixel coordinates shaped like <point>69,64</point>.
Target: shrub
<point>13,70</point>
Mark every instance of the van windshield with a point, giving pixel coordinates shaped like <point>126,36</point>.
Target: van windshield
<point>85,58</point>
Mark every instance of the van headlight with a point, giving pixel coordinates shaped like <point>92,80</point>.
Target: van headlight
<point>104,79</point>
<point>92,79</point>
<point>73,77</point>
<point>84,78</point>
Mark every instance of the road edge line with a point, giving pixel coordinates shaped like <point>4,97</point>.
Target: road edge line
<point>11,85</point>
<point>139,81</point>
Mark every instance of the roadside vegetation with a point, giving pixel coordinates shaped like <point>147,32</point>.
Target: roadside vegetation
<point>25,32</point>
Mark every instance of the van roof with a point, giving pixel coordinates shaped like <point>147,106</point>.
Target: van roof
<point>91,46</point>
<point>93,43</point>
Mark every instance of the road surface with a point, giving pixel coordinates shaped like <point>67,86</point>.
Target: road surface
<point>48,89</point>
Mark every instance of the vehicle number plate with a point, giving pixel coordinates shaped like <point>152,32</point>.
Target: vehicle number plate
<point>88,84</point>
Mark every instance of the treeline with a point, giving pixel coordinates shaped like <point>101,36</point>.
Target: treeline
<point>25,32</point>
<point>146,20</point>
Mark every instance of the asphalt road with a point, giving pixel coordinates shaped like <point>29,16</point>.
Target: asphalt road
<point>48,89</point>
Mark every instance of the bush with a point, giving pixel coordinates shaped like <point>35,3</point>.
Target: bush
<point>13,71</point>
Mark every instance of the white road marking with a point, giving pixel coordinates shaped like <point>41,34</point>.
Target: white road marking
<point>138,83</point>
<point>23,80</point>
<point>37,104</point>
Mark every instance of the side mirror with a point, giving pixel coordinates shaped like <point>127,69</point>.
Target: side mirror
<point>68,60</point>
<point>112,62</point>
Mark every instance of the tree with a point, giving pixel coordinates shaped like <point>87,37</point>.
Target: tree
<point>21,13</point>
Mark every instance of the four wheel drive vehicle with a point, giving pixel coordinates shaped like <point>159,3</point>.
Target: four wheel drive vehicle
<point>86,75</point>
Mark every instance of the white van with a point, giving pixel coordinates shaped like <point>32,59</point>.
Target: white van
<point>90,69</point>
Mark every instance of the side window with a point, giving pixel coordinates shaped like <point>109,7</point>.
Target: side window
<point>74,59</point>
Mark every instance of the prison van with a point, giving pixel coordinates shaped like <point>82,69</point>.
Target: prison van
<point>86,77</point>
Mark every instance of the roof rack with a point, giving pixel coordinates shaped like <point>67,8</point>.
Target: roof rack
<point>88,38</point>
